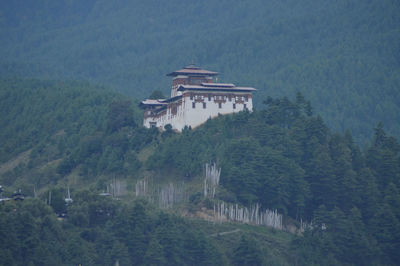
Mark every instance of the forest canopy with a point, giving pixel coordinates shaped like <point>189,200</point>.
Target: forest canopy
<point>320,150</point>
<point>282,156</point>
<point>343,56</point>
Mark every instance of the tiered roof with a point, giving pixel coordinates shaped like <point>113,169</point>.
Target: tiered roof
<point>158,102</point>
<point>192,70</point>
<point>151,102</point>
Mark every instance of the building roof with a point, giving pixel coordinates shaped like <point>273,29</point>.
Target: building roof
<point>192,70</point>
<point>159,102</point>
<point>215,87</point>
<point>150,102</point>
<point>172,99</point>
<point>225,85</point>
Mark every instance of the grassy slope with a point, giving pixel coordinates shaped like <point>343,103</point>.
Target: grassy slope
<point>275,245</point>
<point>27,169</point>
<point>48,116</point>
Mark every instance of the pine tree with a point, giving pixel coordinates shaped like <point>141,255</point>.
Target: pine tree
<point>247,253</point>
<point>385,227</point>
<point>154,254</point>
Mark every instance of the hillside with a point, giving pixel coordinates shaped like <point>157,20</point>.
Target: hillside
<point>341,55</point>
<point>282,157</point>
<point>134,234</point>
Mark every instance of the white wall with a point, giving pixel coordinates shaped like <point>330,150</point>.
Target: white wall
<point>189,116</point>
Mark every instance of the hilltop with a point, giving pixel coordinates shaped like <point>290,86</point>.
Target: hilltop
<point>341,55</point>
<point>282,156</point>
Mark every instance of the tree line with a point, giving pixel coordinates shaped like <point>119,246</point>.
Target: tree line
<point>282,156</point>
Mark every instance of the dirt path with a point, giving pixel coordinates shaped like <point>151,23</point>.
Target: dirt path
<point>226,233</point>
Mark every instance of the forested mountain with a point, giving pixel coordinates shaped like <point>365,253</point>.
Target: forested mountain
<point>131,235</point>
<point>342,55</point>
<point>282,156</point>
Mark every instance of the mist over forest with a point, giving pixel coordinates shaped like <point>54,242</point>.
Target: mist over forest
<point>342,55</point>
<point>310,177</point>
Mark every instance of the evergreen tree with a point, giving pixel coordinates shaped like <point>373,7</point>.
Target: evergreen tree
<point>154,254</point>
<point>247,253</point>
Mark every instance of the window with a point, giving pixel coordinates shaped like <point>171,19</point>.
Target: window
<point>209,97</point>
<point>246,98</point>
<point>204,105</point>
<point>153,124</point>
<point>193,105</point>
<point>244,106</point>
<point>219,105</point>
<point>191,96</point>
<point>234,106</point>
<point>230,98</point>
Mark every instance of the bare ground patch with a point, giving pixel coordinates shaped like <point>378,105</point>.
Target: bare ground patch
<point>14,162</point>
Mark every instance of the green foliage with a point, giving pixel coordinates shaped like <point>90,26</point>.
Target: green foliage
<point>120,115</point>
<point>130,235</point>
<point>247,253</point>
<point>342,55</point>
<point>157,94</point>
<point>286,159</point>
<point>342,239</point>
<point>36,111</point>
<point>30,233</point>
<point>283,157</point>
<point>255,151</point>
<point>76,127</point>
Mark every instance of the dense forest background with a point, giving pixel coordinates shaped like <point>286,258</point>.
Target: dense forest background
<point>282,156</point>
<point>321,146</point>
<point>342,55</point>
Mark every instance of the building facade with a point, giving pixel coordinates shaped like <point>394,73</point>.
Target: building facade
<point>195,98</point>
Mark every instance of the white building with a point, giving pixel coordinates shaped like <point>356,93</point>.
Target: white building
<point>195,97</point>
